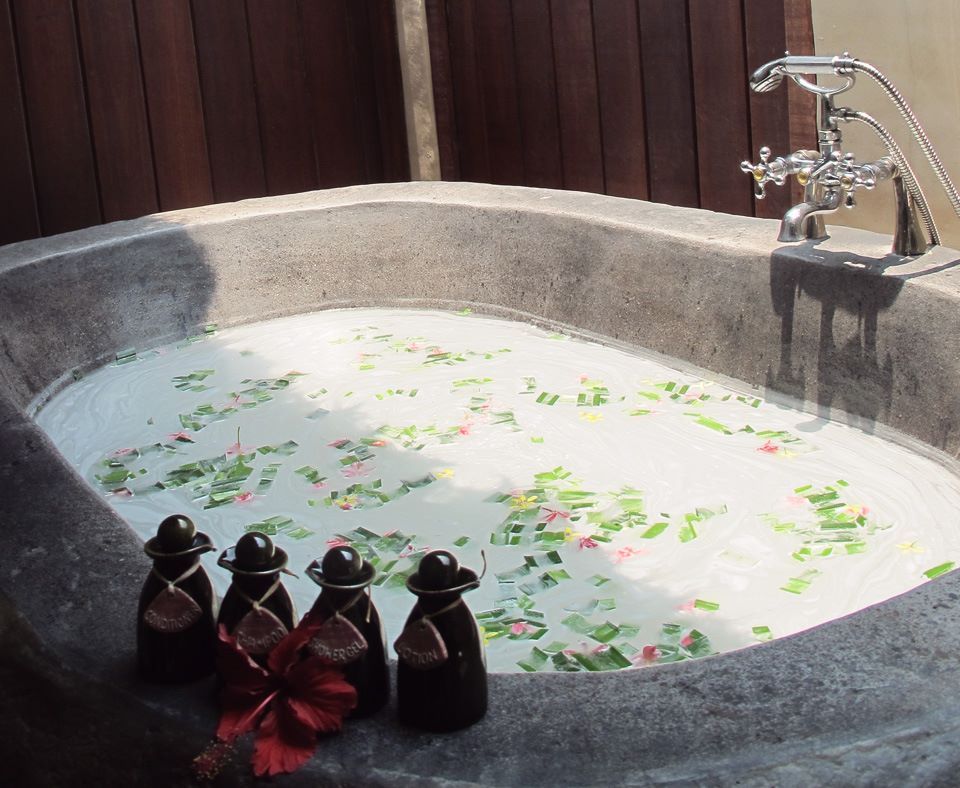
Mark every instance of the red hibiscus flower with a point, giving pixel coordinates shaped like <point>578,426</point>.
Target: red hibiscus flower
<point>287,703</point>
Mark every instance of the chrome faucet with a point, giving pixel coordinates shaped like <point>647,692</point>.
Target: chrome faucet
<point>830,177</point>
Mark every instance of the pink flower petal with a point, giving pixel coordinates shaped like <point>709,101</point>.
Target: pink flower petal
<point>587,542</point>
<point>625,553</point>
<point>122,452</point>
<point>650,653</point>
<point>769,448</point>
<point>243,497</point>
<point>686,641</point>
<point>180,436</point>
<point>357,469</point>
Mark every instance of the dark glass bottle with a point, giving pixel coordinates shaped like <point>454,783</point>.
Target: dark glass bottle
<point>176,633</point>
<point>257,610</point>
<point>349,629</point>
<point>442,670</point>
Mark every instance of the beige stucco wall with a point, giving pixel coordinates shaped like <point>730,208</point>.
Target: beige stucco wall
<point>916,43</point>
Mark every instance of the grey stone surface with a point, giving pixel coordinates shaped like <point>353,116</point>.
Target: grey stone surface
<point>869,699</point>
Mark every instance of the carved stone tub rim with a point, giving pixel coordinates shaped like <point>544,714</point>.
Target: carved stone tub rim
<point>727,712</point>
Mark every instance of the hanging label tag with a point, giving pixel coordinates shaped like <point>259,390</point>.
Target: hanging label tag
<point>173,610</point>
<point>420,645</point>
<point>338,641</point>
<point>259,631</point>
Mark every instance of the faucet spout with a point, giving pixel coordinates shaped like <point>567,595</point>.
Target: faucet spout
<point>803,221</point>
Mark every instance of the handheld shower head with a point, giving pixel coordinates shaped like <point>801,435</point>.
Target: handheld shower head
<point>771,74</point>
<point>768,76</point>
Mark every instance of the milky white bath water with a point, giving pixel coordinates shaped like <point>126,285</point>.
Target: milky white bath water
<point>629,513</point>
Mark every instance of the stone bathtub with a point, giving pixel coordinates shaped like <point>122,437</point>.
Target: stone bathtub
<point>860,335</point>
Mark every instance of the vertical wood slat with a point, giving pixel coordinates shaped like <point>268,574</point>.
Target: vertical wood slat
<point>468,98</point>
<point>498,86</point>
<point>229,99</point>
<point>172,86</point>
<point>722,112</point>
<point>621,97</point>
<point>18,199</point>
<point>117,107</point>
<point>577,95</point>
<point>330,79</point>
<point>64,169</point>
<point>388,91</point>
<point>769,112</point>
<point>288,154</point>
<point>537,88</point>
<point>668,102</point>
<point>801,104</point>
<point>366,105</point>
<point>436,11</point>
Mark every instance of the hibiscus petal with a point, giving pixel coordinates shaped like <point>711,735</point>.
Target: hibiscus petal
<point>236,667</point>
<point>280,746</point>
<point>247,690</point>
<point>287,651</point>
<point>311,717</point>
<point>240,712</point>
<point>323,688</point>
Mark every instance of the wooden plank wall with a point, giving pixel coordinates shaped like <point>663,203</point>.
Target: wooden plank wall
<point>634,98</point>
<point>113,109</point>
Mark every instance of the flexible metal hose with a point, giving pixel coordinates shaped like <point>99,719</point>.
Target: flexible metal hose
<point>903,167</point>
<point>919,134</point>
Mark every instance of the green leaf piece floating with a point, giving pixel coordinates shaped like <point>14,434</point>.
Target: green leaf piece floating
<point>940,569</point>
<point>586,609</point>
<point>601,660</point>
<point>115,477</point>
<point>703,604</point>
<point>578,624</point>
<point>277,525</point>
<point>311,474</point>
<point>598,580</point>
<point>605,632</point>
<point>709,423</point>
<point>762,634</point>
<point>463,540</point>
<point>191,381</point>
<point>797,585</point>
<point>536,439</point>
<point>267,477</point>
<point>654,530</point>
<point>463,382</point>
<point>536,661</point>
